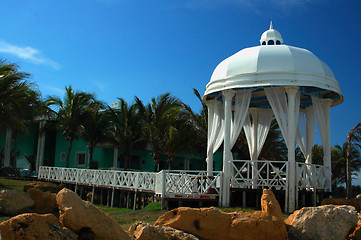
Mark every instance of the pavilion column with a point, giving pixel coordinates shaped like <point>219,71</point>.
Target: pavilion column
<point>255,150</point>
<point>115,157</point>
<point>291,139</point>
<point>310,133</point>
<point>227,101</point>
<point>9,136</point>
<point>41,146</point>
<point>210,107</point>
<point>326,104</point>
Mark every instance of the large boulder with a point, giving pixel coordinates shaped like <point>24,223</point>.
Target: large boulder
<point>145,231</point>
<point>211,223</point>
<point>13,203</point>
<point>342,201</point>
<point>324,222</point>
<point>44,186</point>
<point>34,226</point>
<point>45,202</point>
<point>87,220</point>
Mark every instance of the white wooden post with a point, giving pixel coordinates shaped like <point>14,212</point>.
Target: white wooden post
<point>41,146</point>
<point>292,126</point>
<point>227,101</point>
<point>9,136</point>
<point>115,158</point>
<point>164,182</point>
<point>326,104</point>
<point>254,155</point>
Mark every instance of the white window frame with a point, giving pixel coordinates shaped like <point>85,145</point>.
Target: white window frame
<point>77,154</point>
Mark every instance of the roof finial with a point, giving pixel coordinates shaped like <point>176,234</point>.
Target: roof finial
<point>271,25</point>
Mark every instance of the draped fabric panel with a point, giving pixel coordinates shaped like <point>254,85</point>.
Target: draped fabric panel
<point>306,132</point>
<point>278,101</point>
<point>256,131</point>
<point>321,120</point>
<point>216,126</point>
<point>242,100</point>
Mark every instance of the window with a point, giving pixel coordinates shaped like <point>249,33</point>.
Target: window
<point>264,43</point>
<point>62,157</point>
<point>271,42</point>
<point>278,42</point>
<point>80,158</point>
<point>135,162</point>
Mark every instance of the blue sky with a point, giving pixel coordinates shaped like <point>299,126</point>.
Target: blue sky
<point>127,48</point>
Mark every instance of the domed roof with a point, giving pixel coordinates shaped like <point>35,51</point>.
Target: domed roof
<point>271,37</point>
<point>275,65</point>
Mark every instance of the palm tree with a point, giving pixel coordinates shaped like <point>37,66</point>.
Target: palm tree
<point>157,117</point>
<point>70,113</point>
<point>353,140</point>
<point>198,123</point>
<point>93,129</point>
<point>19,101</point>
<point>125,129</point>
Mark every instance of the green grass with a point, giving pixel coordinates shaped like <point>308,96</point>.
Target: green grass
<point>10,184</point>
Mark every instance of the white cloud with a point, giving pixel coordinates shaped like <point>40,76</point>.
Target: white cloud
<point>98,84</point>
<point>28,53</point>
<point>56,90</point>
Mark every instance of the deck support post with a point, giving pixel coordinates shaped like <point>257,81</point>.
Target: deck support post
<point>76,188</point>
<point>93,192</point>
<point>244,201</point>
<point>128,195</point>
<point>108,197</point>
<point>135,201</point>
<point>112,201</point>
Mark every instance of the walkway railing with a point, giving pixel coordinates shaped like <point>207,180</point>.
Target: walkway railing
<point>100,178</point>
<point>165,183</point>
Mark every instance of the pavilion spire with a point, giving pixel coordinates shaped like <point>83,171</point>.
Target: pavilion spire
<point>271,26</point>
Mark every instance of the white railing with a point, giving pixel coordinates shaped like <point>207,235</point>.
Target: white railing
<point>165,183</point>
<point>270,174</point>
<point>105,178</point>
<point>312,176</point>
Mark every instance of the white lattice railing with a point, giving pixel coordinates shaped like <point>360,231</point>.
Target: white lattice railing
<point>188,183</point>
<point>313,176</point>
<point>270,174</point>
<point>107,178</point>
<point>165,183</point>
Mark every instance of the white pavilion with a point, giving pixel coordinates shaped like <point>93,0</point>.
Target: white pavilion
<point>250,88</point>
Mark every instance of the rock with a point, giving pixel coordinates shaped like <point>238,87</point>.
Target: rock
<point>270,204</point>
<point>13,203</point>
<point>324,222</point>
<point>342,201</point>
<point>44,186</point>
<point>145,231</point>
<point>355,233</point>
<point>45,202</point>
<point>85,219</point>
<point>211,223</point>
<point>34,226</point>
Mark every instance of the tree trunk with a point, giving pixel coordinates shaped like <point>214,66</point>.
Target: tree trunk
<point>348,170</point>
<point>13,156</point>
<point>68,154</point>
<point>91,150</point>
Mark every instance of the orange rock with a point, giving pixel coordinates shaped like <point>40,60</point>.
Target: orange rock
<point>290,218</point>
<point>44,201</point>
<point>145,231</point>
<point>33,226</point>
<point>341,201</point>
<point>44,186</point>
<point>13,203</point>
<point>87,220</point>
<point>213,224</point>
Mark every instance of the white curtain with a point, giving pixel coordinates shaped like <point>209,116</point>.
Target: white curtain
<point>242,100</point>
<point>256,131</point>
<point>306,132</point>
<point>278,101</point>
<point>321,120</point>
<point>216,126</point>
